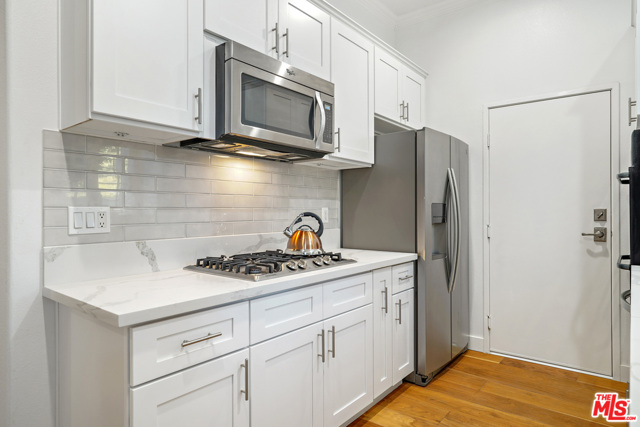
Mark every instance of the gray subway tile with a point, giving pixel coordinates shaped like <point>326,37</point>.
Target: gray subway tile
<point>64,198</point>
<point>148,167</point>
<point>82,162</point>
<point>133,216</point>
<point>271,214</point>
<point>229,187</point>
<point>209,229</point>
<point>326,193</point>
<point>64,179</point>
<point>154,200</point>
<point>59,237</point>
<point>103,181</point>
<point>252,227</point>
<point>183,215</point>
<point>270,190</point>
<point>184,185</point>
<point>227,215</point>
<point>154,232</point>
<point>64,141</point>
<point>114,147</point>
<point>173,154</point>
<point>271,166</point>
<point>303,192</point>
<point>55,217</point>
<point>320,182</point>
<point>252,202</point>
<point>285,179</point>
<point>231,162</point>
<point>209,201</point>
<point>242,175</point>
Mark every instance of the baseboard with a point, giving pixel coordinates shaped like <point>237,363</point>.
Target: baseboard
<point>625,373</point>
<point>476,343</point>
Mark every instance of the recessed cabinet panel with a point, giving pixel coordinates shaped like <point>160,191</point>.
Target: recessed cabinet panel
<point>382,331</point>
<point>403,324</point>
<point>243,21</point>
<point>413,89</point>
<point>402,277</point>
<point>388,91</point>
<point>148,60</point>
<point>346,294</point>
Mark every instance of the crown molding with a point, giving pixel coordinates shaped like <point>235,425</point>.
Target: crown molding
<point>379,9</point>
<point>443,8</point>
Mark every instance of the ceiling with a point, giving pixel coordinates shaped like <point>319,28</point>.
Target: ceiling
<point>401,8</point>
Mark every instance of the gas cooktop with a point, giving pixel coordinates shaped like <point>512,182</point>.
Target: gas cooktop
<point>266,265</point>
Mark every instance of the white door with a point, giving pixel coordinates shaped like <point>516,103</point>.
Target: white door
<point>413,91</point>
<point>388,90</point>
<point>148,60</point>
<point>348,374</point>
<point>205,395</point>
<point>305,37</point>
<point>287,380</point>
<point>550,287</point>
<point>243,21</point>
<point>402,335</point>
<point>352,74</point>
<point>382,331</point>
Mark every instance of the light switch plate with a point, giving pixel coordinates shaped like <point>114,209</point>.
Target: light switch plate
<point>98,217</point>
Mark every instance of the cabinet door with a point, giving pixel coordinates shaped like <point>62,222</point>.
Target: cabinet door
<point>305,37</point>
<point>287,380</point>
<point>148,60</point>
<point>403,337</point>
<point>388,90</point>
<point>205,395</point>
<point>243,21</point>
<point>352,74</point>
<point>348,386</point>
<point>382,331</point>
<point>413,95</point>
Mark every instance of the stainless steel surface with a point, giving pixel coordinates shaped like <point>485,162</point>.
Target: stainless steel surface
<point>277,43</point>
<point>322,352</point>
<point>392,206</point>
<point>599,234</point>
<point>337,149</point>
<point>198,96</point>
<point>286,52</point>
<point>333,342</point>
<point>323,118</point>
<point>631,117</point>
<point>599,214</point>
<point>399,319</point>
<point>386,300</point>
<point>626,299</point>
<point>209,336</point>
<point>246,379</point>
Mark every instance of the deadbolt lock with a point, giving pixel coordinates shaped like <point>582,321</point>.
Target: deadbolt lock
<point>599,214</point>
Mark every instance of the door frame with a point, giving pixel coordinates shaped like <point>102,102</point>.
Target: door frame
<point>614,89</point>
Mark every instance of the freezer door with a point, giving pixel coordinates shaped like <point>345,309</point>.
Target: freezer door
<point>460,293</point>
<point>433,304</point>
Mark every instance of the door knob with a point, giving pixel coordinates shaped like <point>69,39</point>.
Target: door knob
<point>599,234</point>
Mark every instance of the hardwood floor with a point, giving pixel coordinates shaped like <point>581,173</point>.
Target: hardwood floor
<point>481,389</point>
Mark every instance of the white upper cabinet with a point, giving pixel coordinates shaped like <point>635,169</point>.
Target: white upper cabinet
<point>293,31</point>
<point>132,68</point>
<point>352,74</point>
<point>399,91</point>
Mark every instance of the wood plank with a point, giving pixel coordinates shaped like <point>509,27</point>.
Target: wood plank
<point>390,418</point>
<point>461,378</point>
<point>484,356</point>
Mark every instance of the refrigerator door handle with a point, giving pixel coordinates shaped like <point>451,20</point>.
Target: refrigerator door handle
<point>453,186</point>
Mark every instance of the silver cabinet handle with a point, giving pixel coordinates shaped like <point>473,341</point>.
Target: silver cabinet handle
<point>322,353</point>
<point>323,119</point>
<point>402,106</point>
<point>333,343</point>
<point>407,277</point>
<point>276,48</point>
<point>197,340</point>
<point>399,319</point>
<point>198,96</point>
<point>631,118</point>
<point>407,111</point>
<point>286,34</point>
<point>386,300</point>
<point>338,146</point>
<point>246,379</point>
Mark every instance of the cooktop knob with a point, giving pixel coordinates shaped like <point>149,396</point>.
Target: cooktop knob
<point>317,261</point>
<point>292,265</point>
<point>326,259</point>
<point>302,264</point>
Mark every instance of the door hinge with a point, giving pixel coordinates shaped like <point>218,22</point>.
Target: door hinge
<point>488,231</point>
<point>489,322</point>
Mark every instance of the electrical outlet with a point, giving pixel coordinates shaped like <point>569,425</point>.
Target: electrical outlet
<point>89,220</point>
<point>325,214</point>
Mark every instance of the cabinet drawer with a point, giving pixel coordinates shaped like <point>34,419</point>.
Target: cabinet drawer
<point>278,314</point>
<point>163,347</point>
<point>402,277</point>
<point>346,294</point>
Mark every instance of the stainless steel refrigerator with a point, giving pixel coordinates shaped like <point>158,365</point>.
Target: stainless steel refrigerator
<point>416,199</point>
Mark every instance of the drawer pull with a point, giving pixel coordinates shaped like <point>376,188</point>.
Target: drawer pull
<point>246,379</point>
<point>386,300</point>
<point>197,340</point>
<point>333,343</point>
<point>322,353</point>
<point>405,277</point>
<point>399,319</point>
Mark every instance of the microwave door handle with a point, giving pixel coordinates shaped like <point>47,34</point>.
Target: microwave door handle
<point>323,119</point>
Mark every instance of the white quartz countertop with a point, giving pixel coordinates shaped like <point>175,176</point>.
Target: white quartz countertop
<point>131,300</point>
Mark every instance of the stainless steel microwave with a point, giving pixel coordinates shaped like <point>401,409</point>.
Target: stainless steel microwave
<point>267,108</point>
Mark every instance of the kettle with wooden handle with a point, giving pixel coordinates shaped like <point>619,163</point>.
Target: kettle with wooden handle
<point>304,240</point>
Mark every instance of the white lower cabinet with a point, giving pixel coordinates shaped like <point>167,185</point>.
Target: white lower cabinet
<point>286,381</point>
<point>211,394</point>
<point>403,336</point>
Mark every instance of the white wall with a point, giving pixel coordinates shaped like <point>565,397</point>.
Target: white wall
<point>501,50</point>
<point>26,329</point>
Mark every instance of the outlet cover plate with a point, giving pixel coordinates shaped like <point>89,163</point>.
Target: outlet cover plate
<point>101,216</point>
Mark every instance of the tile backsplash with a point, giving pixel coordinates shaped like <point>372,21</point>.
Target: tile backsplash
<point>158,192</point>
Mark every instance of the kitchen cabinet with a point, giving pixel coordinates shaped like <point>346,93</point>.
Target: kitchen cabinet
<point>399,90</point>
<point>213,393</point>
<point>132,70</point>
<point>293,31</point>
<point>382,331</point>
<point>287,379</point>
<point>403,336</point>
<point>352,74</point>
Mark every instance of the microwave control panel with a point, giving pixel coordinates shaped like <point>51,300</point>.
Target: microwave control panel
<point>327,136</point>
